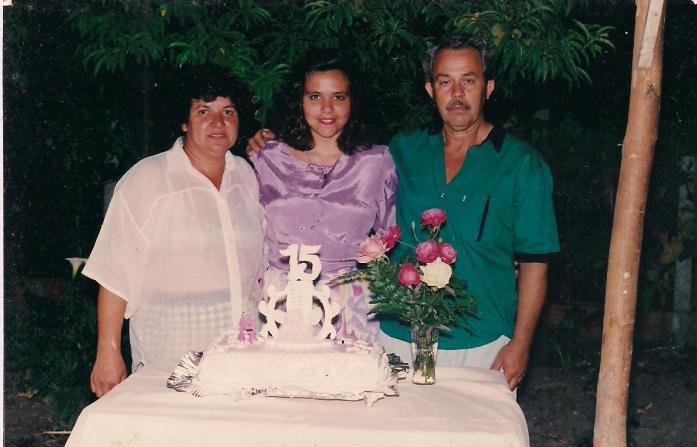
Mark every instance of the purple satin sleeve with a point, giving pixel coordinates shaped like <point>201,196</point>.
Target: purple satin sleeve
<point>333,206</point>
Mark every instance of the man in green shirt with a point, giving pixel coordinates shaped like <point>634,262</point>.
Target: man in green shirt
<point>496,191</point>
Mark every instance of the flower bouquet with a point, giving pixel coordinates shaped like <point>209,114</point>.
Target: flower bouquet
<point>419,290</point>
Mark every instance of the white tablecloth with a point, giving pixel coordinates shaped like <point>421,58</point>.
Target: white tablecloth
<point>466,407</point>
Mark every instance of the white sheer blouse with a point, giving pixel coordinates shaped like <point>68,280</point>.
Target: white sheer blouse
<point>186,257</point>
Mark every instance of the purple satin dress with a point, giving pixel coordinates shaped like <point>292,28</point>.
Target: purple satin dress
<point>332,206</point>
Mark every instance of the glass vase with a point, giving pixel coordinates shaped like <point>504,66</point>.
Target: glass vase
<point>424,349</point>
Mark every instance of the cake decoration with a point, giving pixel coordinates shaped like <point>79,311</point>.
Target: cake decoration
<point>246,330</point>
<point>301,316</point>
<point>295,354</point>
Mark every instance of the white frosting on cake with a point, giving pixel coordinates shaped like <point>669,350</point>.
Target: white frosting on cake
<point>292,357</point>
<point>324,369</point>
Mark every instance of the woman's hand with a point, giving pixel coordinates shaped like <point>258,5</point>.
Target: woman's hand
<point>259,140</point>
<point>109,370</point>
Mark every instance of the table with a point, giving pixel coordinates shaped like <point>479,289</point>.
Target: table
<point>466,407</point>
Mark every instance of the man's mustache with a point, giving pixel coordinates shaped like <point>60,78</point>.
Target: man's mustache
<point>458,103</point>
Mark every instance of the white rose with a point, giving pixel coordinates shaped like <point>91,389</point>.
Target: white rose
<point>436,274</point>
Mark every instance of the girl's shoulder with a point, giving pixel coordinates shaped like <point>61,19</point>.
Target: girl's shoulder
<point>376,159</point>
<point>272,150</point>
<point>275,146</point>
<point>376,150</point>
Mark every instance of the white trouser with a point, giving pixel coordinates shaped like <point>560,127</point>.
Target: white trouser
<point>479,357</point>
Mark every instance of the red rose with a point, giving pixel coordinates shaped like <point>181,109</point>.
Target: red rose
<point>447,253</point>
<point>390,236</point>
<point>408,275</point>
<point>427,251</point>
<point>433,218</point>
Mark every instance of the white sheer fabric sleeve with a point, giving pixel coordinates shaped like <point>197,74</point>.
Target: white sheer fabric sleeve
<point>119,254</point>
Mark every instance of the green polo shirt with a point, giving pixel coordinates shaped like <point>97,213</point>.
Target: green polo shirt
<point>498,209</point>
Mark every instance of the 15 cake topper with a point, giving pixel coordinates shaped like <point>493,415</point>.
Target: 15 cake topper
<point>298,321</point>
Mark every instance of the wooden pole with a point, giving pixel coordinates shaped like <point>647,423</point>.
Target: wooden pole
<point>625,245</point>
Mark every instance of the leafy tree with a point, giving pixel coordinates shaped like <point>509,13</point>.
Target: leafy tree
<point>258,40</point>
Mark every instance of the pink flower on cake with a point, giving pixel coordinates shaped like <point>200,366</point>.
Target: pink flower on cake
<point>371,249</point>
<point>390,236</point>
<point>433,218</point>
<point>427,251</point>
<point>436,274</point>
<point>246,329</point>
<point>446,253</point>
<point>408,276</point>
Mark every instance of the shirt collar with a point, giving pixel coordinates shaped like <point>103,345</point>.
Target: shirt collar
<point>495,137</point>
<point>177,157</point>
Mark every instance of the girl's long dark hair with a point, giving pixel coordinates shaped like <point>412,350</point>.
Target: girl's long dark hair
<point>293,129</point>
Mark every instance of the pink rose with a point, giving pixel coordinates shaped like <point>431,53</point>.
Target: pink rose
<point>408,275</point>
<point>447,253</point>
<point>390,236</point>
<point>433,218</point>
<point>370,250</point>
<point>427,251</point>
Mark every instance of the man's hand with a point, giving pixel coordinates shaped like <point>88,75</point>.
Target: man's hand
<point>259,140</point>
<point>109,370</point>
<point>532,288</point>
<point>513,359</point>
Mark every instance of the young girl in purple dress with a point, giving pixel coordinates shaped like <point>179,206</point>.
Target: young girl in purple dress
<point>321,183</point>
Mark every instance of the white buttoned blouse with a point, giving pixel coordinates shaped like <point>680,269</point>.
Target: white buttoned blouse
<point>185,256</point>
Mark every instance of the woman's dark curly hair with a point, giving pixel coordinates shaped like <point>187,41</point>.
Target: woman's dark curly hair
<point>207,83</point>
<point>294,130</point>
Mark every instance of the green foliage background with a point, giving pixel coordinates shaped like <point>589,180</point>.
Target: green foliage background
<point>258,41</point>
<point>86,97</point>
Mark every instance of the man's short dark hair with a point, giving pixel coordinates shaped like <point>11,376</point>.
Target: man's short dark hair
<point>459,42</point>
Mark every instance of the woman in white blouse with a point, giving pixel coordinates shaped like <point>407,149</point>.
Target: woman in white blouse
<point>180,252</point>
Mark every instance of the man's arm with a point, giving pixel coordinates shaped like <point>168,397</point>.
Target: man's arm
<point>109,368</point>
<point>532,288</point>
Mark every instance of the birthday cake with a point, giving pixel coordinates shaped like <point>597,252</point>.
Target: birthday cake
<point>296,354</point>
